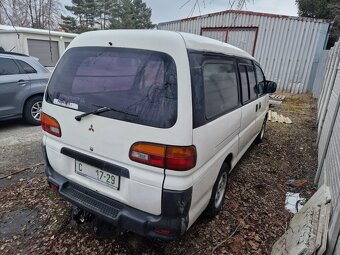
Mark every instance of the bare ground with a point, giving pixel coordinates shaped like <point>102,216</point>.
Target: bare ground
<point>34,220</point>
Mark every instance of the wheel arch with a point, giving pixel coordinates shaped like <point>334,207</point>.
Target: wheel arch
<point>28,98</point>
<point>228,160</point>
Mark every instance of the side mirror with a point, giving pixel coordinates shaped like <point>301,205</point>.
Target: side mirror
<point>270,87</point>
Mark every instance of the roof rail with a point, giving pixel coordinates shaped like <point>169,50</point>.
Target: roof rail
<point>13,53</point>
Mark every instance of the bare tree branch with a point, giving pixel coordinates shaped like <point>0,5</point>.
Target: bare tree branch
<point>31,13</point>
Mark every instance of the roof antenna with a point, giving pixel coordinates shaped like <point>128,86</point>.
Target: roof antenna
<point>9,19</point>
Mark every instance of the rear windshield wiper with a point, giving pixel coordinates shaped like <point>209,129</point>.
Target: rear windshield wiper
<point>101,110</point>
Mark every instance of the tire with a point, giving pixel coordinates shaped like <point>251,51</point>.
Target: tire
<point>32,110</point>
<point>218,192</point>
<point>260,136</point>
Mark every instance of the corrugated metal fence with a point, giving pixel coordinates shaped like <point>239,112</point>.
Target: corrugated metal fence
<point>329,139</point>
<point>288,48</point>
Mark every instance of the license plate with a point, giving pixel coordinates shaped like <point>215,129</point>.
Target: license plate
<point>98,175</point>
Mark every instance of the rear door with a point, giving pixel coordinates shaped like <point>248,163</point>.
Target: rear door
<point>250,104</point>
<point>14,86</point>
<point>140,86</point>
<point>217,118</point>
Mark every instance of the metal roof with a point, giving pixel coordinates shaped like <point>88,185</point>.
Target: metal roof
<point>11,29</point>
<point>262,14</point>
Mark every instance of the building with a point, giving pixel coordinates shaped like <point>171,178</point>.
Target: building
<point>288,48</point>
<point>42,44</point>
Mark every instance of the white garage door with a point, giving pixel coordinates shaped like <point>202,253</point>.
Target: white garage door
<point>48,53</point>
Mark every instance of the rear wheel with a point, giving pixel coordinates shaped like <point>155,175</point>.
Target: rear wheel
<point>218,192</point>
<point>32,110</point>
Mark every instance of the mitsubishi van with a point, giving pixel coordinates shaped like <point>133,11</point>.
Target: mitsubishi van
<point>142,127</point>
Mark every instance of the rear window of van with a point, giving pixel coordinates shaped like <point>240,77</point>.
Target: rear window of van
<point>140,85</point>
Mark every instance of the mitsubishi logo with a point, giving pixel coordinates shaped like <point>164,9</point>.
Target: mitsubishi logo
<point>91,128</point>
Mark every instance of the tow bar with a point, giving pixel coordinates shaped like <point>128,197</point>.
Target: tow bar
<point>81,216</point>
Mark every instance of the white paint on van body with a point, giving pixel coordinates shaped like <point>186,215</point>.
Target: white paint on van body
<point>231,133</point>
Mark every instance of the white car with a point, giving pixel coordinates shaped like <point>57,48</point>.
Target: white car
<point>142,127</point>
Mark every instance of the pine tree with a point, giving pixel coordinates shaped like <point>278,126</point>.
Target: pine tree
<point>105,14</point>
<point>85,12</point>
<point>131,14</point>
<point>69,24</point>
<point>105,10</point>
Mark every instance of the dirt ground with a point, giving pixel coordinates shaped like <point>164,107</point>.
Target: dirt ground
<point>34,220</point>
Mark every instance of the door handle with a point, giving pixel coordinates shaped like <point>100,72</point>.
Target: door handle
<point>260,105</point>
<point>257,107</point>
<point>22,82</point>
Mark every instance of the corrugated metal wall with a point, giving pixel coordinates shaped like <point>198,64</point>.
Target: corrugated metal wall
<point>288,48</point>
<point>329,140</point>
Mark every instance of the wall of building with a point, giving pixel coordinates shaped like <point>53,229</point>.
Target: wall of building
<point>11,42</point>
<point>288,48</point>
<point>329,140</point>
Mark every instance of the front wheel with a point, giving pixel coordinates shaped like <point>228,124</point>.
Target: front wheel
<point>32,110</point>
<point>218,192</point>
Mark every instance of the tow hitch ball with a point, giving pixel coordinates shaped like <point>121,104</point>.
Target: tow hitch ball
<point>81,216</point>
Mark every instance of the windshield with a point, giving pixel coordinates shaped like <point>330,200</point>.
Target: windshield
<point>139,82</point>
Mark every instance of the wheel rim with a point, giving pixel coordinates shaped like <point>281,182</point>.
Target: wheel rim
<point>36,110</point>
<point>222,183</point>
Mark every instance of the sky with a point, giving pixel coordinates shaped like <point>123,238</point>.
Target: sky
<point>168,10</point>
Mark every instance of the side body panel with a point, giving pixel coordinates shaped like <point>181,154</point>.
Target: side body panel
<point>214,142</point>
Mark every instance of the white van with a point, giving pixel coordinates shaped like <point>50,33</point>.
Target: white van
<point>143,127</point>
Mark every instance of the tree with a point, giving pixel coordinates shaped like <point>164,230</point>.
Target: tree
<point>84,13</point>
<point>131,14</point>
<point>31,13</point>
<point>105,10</point>
<point>103,14</point>
<point>69,24</point>
<point>313,8</point>
<point>322,9</point>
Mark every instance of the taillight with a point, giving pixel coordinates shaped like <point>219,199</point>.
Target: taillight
<point>50,125</point>
<point>178,158</point>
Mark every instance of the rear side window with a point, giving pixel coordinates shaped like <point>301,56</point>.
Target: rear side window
<point>220,88</point>
<point>27,68</point>
<point>252,82</point>
<point>244,83</point>
<point>248,82</point>
<point>140,85</point>
<point>8,67</point>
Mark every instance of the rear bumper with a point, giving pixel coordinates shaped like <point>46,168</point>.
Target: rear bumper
<point>172,222</point>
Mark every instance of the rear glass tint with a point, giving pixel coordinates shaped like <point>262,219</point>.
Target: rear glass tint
<point>141,85</point>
